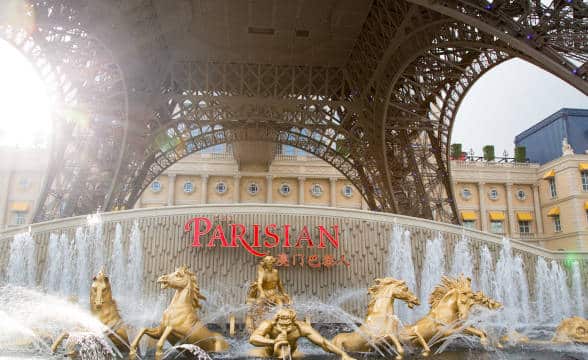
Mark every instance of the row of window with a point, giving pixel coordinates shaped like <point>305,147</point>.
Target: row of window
<point>253,188</point>
<point>466,193</point>
<point>553,188</point>
<point>497,227</point>
<point>493,194</point>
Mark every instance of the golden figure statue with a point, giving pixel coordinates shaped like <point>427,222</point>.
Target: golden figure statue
<point>180,323</point>
<point>266,292</point>
<point>278,337</point>
<point>380,323</point>
<point>450,303</point>
<point>103,306</point>
<point>574,329</point>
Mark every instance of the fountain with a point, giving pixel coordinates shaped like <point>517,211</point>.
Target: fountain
<point>43,296</point>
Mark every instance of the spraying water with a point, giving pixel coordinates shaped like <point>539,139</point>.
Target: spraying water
<point>401,267</point>
<point>486,276</point>
<point>433,270</point>
<point>118,270</point>
<point>462,259</point>
<point>22,265</point>
<point>577,293</point>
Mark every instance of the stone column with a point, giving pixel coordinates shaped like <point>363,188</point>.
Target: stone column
<point>537,206</point>
<point>510,210</point>
<point>171,189</point>
<point>482,198</point>
<point>204,189</point>
<point>269,190</point>
<point>4,183</point>
<point>138,203</point>
<point>301,190</point>
<point>333,192</point>
<point>237,190</point>
<point>364,204</point>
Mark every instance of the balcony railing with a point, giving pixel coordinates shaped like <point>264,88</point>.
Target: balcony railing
<point>495,164</point>
<point>526,236</point>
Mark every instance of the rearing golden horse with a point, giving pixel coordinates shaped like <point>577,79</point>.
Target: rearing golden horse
<point>180,323</point>
<point>103,306</point>
<point>380,324</point>
<point>450,302</point>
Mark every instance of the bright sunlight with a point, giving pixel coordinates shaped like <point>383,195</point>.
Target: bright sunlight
<point>25,111</point>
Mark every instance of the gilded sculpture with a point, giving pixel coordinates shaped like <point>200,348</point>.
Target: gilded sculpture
<point>574,329</point>
<point>180,323</point>
<point>278,337</point>
<point>380,323</point>
<point>103,306</point>
<point>265,293</point>
<point>450,304</point>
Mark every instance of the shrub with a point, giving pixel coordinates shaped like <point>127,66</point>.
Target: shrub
<point>455,151</point>
<point>489,153</point>
<point>520,154</point>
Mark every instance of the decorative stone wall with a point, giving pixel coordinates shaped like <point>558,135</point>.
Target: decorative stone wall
<point>364,241</point>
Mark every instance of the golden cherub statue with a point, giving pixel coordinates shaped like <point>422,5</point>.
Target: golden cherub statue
<point>103,306</point>
<point>278,337</point>
<point>266,292</point>
<point>180,323</point>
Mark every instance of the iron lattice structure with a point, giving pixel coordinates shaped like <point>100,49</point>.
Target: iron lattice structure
<point>371,87</point>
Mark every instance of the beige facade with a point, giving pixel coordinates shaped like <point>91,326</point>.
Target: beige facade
<point>516,200</point>
<point>21,177</point>
<point>510,199</point>
<point>205,178</point>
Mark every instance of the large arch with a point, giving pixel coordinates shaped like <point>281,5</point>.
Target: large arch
<point>383,114</point>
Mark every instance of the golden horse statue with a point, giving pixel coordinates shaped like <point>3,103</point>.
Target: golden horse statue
<point>574,329</point>
<point>265,293</point>
<point>103,306</point>
<point>380,323</point>
<point>180,323</point>
<point>450,303</point>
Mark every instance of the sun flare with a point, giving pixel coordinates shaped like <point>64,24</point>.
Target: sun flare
<point>25,110</point>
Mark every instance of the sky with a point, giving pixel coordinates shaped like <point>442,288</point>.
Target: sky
<point>507,100</point>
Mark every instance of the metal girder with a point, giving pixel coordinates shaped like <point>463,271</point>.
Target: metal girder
<point>384,118</point>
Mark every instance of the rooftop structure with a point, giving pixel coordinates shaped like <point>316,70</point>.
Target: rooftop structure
<point>565,131</point>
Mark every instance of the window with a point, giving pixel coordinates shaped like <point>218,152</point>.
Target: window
<point>584,180</point>
<point>469,224</point>
<point>493,194</point>
<point>253,189</point>
<point>23,183</point>
<point>316,190</point>
<point>556,224</point>
<point>521,195</point>
<point>20,218</point>
<point>524,227</point>
<point>348,191</point>
<point>221,187</point>
<point>552,188</point>
<point>156,186</point>
<point>466,193</point>
<point>285,189</point>
<point>496,227</point>
<point>188,187</point>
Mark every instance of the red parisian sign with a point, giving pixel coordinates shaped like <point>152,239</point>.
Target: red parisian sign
<point>267,237</point>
